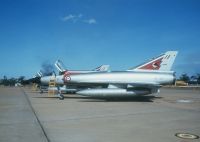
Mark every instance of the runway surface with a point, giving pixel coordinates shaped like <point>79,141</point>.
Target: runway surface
<point>30,116</point>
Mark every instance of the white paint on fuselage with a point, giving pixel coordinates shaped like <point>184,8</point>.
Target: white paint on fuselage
<point>122,77</point>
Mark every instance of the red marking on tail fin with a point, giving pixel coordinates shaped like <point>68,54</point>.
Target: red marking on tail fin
<point>155,65</point>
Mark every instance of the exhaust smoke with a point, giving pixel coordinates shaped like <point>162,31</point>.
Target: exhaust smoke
<point>47,68</point>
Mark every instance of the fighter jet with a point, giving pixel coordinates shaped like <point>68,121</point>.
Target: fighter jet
<point>142,80</point>
<point>63,72</point>
<point>62,69</point>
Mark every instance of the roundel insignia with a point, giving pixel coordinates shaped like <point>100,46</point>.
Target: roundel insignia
<point>67,78</point>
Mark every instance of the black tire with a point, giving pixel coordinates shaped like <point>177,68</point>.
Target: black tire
<point>61,97</point>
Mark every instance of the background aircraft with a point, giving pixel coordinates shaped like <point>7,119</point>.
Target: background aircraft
<point>64,72</point>
<point>62,69</point>
<point>59,78</point>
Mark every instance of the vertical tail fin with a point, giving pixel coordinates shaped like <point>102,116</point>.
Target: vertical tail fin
<point>168,60</point>
<point>163,62</point>
<point>102,68</point>
<point>39,74</point>
<point>60,66</point>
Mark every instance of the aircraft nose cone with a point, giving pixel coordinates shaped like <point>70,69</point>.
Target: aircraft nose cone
<point>45,80</point>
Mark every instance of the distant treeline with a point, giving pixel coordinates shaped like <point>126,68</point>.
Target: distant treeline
<point>194,79</point>
<point>12,81</point>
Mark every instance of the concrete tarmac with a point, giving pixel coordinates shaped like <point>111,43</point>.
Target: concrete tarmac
<point>17,120</point>
<point>30,116</point>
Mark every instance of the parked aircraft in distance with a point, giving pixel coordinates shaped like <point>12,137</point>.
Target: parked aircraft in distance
<point>63,71</point>
<point>142,80</point>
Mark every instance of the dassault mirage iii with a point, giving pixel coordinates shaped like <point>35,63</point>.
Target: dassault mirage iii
<point>63,71</point>
<point>141,80</point>
<point>60,67</point>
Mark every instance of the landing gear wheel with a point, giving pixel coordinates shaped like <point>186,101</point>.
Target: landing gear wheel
<point>61,97</point>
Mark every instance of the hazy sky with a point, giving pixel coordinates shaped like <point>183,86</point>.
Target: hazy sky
<point>87,33</point>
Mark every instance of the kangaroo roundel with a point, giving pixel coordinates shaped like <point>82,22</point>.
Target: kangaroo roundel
<point>154,65</point>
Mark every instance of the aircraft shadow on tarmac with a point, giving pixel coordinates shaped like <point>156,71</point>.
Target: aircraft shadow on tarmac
<point>90,99</point>
<point>128,99</point>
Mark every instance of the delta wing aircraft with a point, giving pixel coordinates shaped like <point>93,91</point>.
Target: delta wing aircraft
<point>63,71</point>
<point>141,80</point>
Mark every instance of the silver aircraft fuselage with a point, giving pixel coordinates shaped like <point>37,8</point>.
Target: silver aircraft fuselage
<point>120,84</point>
<point>125,77</point>
<point>59,78</point>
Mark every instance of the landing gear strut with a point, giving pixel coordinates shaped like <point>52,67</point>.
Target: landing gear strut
<point>60,95</point>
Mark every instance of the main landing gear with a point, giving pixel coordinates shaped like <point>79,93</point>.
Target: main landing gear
<point>60,95</point>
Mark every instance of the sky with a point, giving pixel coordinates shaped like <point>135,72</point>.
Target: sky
<point>87,33</point>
